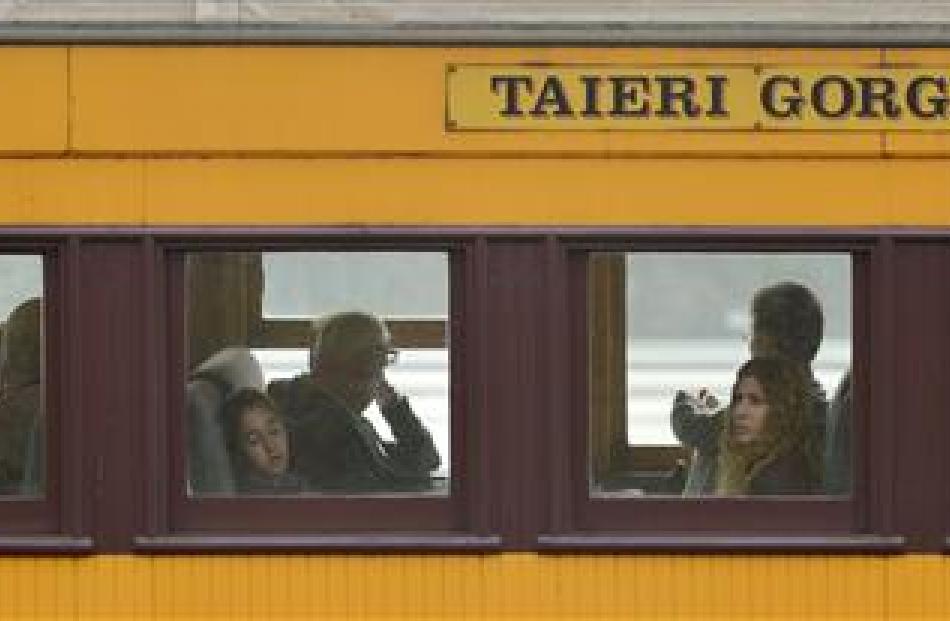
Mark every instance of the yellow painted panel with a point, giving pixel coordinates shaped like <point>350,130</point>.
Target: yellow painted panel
<point>927,145</point>
<point>451,191</point>
<point>33,109</point>
<point>67,191</point>
<point>916,588</point>
<point>920,56</point>
<point>545,191</point>
<point>512,585</point>
<point>376,99</point>
<point>918,191</point>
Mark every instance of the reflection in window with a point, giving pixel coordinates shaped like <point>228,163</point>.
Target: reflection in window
<point>22,422</point>
<point>720,374</point>
<point>319,372</point>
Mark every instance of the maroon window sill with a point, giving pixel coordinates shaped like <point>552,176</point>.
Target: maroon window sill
<point>677,543</point>
<point>304,543</point>
<point>46,544</point>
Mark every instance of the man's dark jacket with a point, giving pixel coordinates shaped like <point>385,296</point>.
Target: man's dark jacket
<point>337,450</point>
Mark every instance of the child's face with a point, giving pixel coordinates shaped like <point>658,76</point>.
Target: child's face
<point>749,410</point>
<point>264,439</point>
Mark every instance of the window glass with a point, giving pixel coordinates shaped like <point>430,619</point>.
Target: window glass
<point>721,374</point>
<point>22,421</point>
<point>318,373</point>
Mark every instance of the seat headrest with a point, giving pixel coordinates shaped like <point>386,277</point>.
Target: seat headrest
<point>235,366</point>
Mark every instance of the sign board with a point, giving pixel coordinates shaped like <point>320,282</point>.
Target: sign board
<point>695,97</point>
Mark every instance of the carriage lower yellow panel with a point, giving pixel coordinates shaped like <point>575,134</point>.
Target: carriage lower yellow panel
<point>515,586</point>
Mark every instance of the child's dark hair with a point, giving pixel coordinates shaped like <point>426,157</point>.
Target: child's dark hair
<point>790,314</point>
<point>230,418</point>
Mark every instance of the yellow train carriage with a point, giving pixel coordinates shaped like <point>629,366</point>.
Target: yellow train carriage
<point>121,163</point>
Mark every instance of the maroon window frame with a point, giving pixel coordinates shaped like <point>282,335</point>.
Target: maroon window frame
<point>58,521</point>
<point>916,385</point>
<point>520,409</point>
<point>176,521</point>
<point>863,520</point>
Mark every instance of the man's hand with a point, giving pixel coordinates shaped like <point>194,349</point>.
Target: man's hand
<point>385,395</point>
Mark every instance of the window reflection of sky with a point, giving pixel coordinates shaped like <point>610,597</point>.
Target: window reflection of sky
<point>21,278</point>
<point>688,323</point>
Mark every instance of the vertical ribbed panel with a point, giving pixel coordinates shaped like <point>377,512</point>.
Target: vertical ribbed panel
<point>522,586</point>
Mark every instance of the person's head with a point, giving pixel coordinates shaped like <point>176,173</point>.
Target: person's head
<point>768,416</point>
<point>21,346</point>
<point>255,434</point>
<point>787,322</point>
<point>349,353</point>
<point>770,402</point>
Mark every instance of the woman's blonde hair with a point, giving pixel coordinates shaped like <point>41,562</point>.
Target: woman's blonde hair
<point>788,393</point>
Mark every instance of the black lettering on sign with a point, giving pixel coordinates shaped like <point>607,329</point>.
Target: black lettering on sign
<point>821,93</point>
<point>931,105</point>
<point>878,90</point>
<point>552,94</point>
<point>675,90</point>
<point>591,95</point>
<point>626,89</point>
<point>511,84</point>
<point>717,105</point>
<point>784,104</point>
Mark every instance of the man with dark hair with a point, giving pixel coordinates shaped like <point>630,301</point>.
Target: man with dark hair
<point>787,322</point>
<point>335,446</point>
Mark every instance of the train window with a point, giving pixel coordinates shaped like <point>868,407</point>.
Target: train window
<point>312,390</point>
<point>22,394</point>
<point>720,374</point>
<point>710,388</point>
<point>320,373</point>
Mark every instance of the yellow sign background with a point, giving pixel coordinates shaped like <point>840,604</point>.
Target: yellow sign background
<point>473,104</point>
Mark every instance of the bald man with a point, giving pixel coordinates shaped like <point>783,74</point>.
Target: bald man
<point>335,447</point>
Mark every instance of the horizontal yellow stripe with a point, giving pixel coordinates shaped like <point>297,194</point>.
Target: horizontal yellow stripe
<point>523,586</point>
<point>217,100</point>
<point>214,100</point>
<point>474,191</point>
<point>71,192</point>
<point>343,99</point>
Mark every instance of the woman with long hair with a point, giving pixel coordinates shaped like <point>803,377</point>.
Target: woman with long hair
<point>768,444</point>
